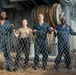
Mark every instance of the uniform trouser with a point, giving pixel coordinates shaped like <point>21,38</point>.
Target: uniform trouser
<point>6,52</point>
<point>41,47</point>
<point>5,46</point>
<point>63,49</point>
<point>8,58</point>
<point>23,47</point>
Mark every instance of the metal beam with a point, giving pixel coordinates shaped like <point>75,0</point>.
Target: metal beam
<point>26,4</point>
<point>34,2</point>
<point>17,0</point>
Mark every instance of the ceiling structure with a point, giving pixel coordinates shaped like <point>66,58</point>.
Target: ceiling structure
<point>22,4</point>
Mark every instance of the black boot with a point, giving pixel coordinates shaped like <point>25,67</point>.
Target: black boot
<point>44,68</point>
<point>9,69</point>
<point>35,67</point>
<point>56,67</point>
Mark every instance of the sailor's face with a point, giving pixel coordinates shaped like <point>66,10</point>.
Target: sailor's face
<point>24,23</point>
<point>63,20</point>
<point>3,15</point>
<point>40,17</point>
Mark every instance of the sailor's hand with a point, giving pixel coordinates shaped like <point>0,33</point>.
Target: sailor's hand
<point>55,31</point>
<point>12,25</point>
<point>51,28</point>
<point>14,30</point>
<point>34,30</point>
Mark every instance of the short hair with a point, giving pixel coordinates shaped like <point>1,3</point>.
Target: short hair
<point>40,14</point>
<point>24,20</point>
<point>63,18</point>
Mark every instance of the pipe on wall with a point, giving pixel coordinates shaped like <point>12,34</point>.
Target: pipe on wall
<point>72,7</point>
